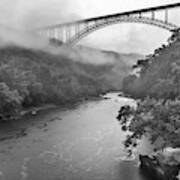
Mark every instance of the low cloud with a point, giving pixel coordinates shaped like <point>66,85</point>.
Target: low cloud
<point>18,19</point>
<point>25,15</point>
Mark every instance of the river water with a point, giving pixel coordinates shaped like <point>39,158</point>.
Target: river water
<point>81,143</point>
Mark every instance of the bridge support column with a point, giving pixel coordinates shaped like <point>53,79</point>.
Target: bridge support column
<point>60,34</point>
<point>68,33</point>
<point>166,16</point>
<point>153,15</point>
<point>48,33</point>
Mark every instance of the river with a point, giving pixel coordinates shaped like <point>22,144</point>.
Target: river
<point>81,143</point>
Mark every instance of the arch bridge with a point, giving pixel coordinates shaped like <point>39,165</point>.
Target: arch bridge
<point>72,32</point>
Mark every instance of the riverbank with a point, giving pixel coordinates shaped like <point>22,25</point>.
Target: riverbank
<point>31,117</point>
<point>32,111</point>
<point>153,119</point>
<point>67,105</point>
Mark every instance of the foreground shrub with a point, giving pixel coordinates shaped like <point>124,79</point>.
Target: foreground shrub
<point>159,120</point>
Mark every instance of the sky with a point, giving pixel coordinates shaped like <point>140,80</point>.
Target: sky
<point>124,38</point>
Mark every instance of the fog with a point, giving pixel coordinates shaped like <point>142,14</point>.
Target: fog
<point>24,15</point>
<point>29,14</point>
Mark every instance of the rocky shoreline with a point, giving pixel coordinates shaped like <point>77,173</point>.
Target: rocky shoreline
<point>158,169</point>
<point>163,164</point>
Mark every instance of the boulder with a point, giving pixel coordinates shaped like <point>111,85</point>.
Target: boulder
<point>157,169</point>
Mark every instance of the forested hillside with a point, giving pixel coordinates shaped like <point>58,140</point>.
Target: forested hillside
<point>159,74</point>
<point>31,77</point>
<point>157,85</point>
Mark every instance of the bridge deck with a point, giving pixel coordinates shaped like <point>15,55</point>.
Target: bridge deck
<point>145,10</point>
<point>127,13</point>
<point>157,8</point>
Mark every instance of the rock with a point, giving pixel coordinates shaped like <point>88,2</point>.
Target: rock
<point>55,119</point>
<point>125,110</point>
<point>21,133</point>
<point>178,176</point>
<point>170,155</point>
<point>34,112</point>
<point>157,169</point>
<point>106,98</point>
<point>120,94</point>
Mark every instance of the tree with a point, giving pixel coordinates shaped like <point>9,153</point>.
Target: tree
<point>159,120</point>
<point>10,102</point>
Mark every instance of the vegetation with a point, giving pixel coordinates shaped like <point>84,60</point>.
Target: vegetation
<point>159,120</point>
<point>30,77</point>
<point>159,73</point>
<point>157,85</point>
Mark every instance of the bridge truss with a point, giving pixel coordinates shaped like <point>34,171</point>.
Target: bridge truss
<point>72,32</point>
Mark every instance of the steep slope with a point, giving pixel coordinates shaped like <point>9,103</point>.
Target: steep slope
<point>120,63</point>
<point>159,74</point>
<point>31,77</point>
<point>156,116</point>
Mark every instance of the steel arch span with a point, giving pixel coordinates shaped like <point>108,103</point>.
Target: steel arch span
<point>141,20</point>
<point>72,32</point>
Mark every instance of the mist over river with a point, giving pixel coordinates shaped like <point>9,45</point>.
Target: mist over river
<point>81,143</point>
